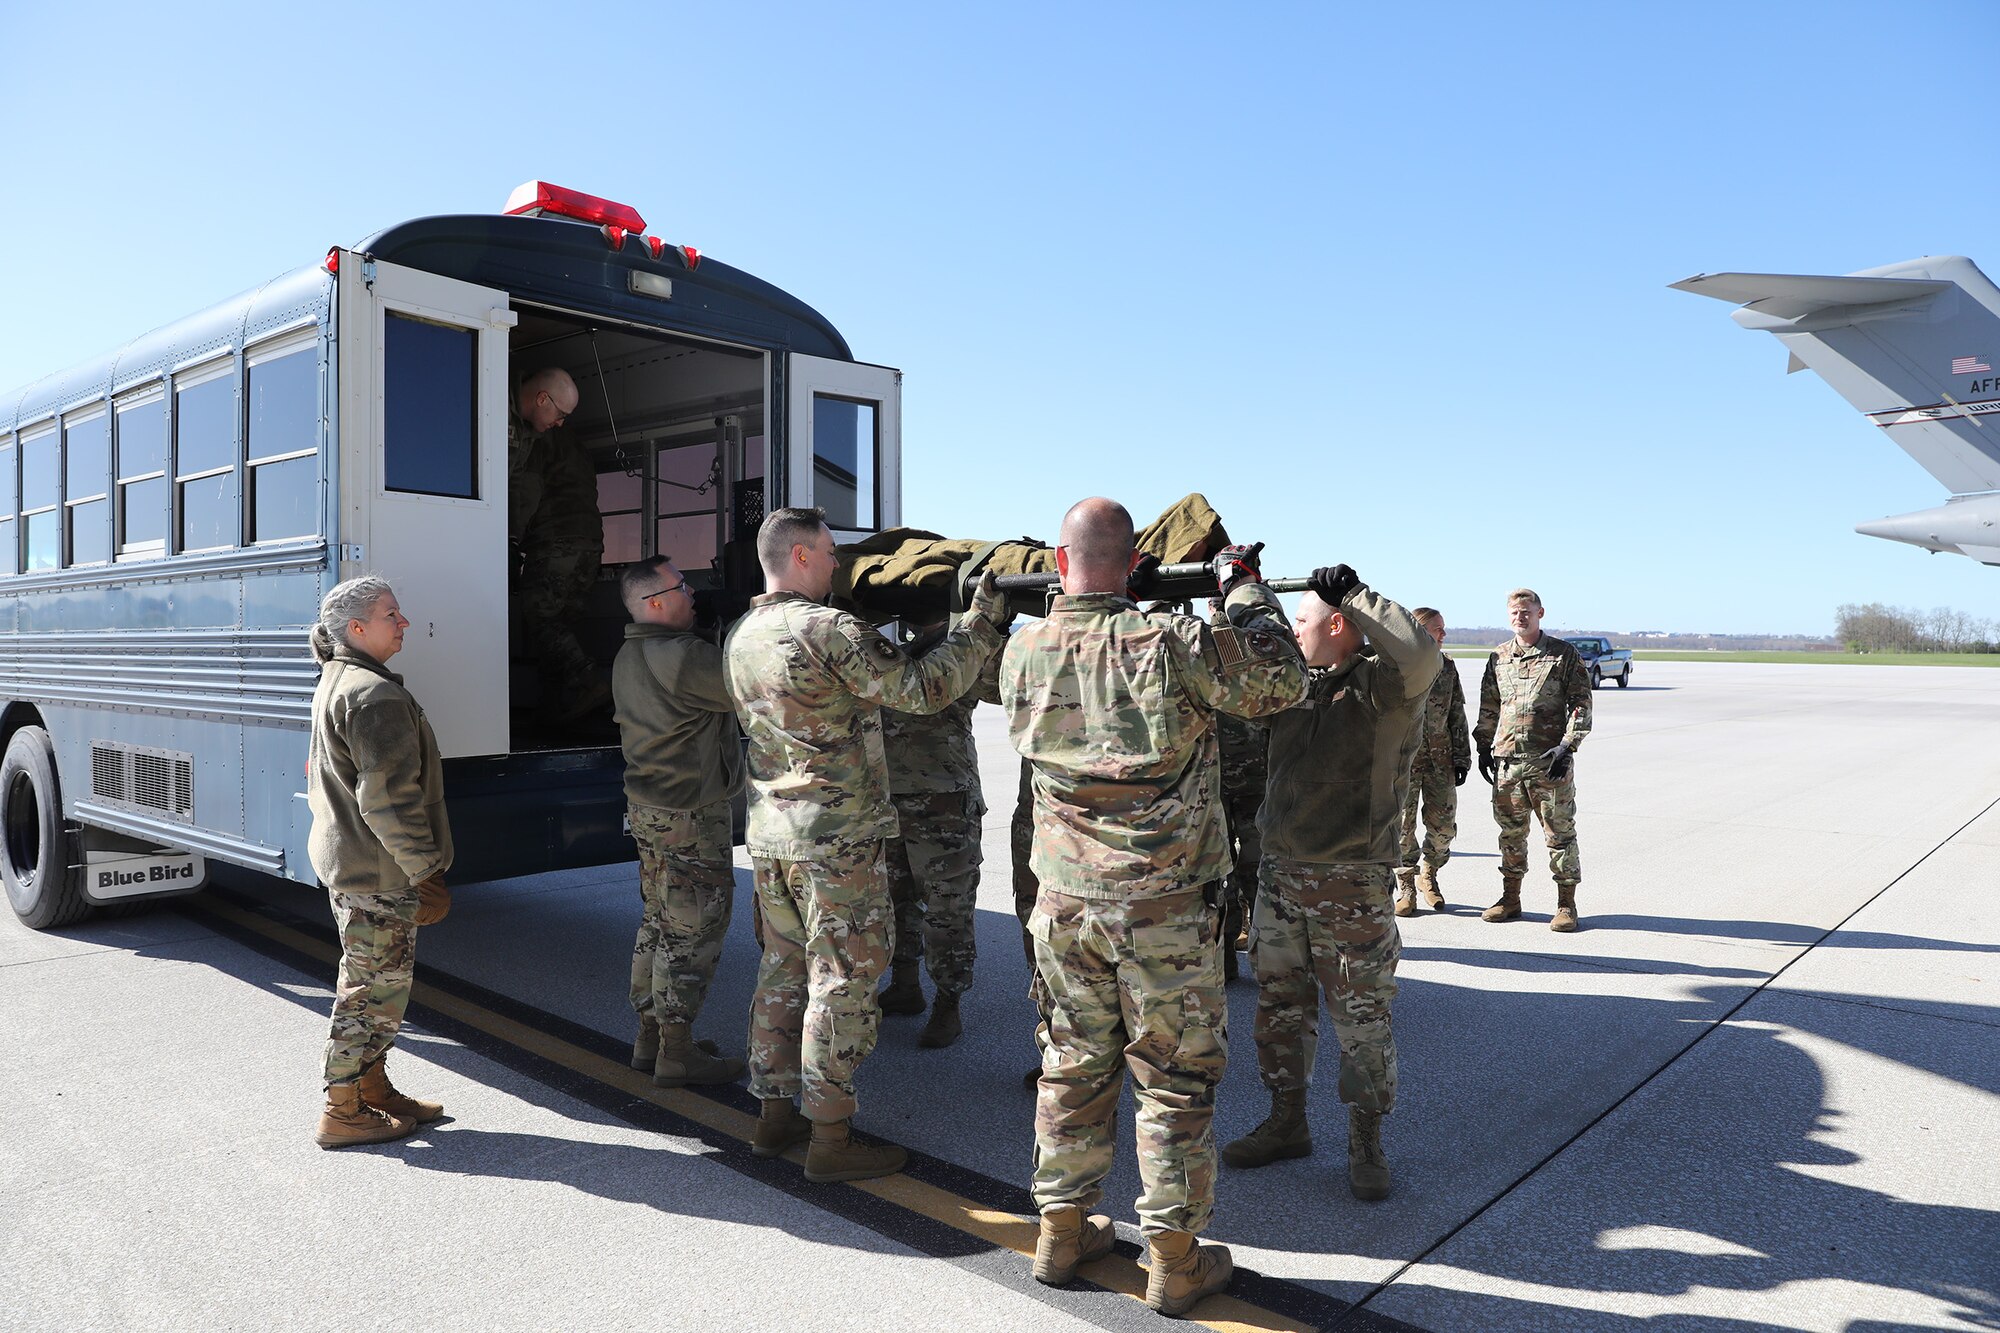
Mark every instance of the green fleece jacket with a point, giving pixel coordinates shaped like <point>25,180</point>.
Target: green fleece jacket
<point>675,717</point>
<point>374,781</point>
<point>1340,758</point>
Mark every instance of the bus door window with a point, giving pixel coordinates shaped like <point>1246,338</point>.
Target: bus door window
<point>430,406</point>
<point>846,458</point>
<point>618,499</point>
<point>686,500</point>
<point>41,492</point>
<point>87,486</point>
<point>205,456</point>
<point>140,445</point>
<point>283,440</point>
<point>9,496</point>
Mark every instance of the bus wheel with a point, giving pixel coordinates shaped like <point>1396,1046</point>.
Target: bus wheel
<point>34,845</point>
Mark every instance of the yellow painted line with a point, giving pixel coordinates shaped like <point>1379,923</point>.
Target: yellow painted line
<point>1009,1231</point>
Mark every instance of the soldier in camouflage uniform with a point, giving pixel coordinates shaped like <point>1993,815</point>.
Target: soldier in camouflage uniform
<point>557,535</point>
<point>1244,769</point>
<point>1115,709</point>
<point>1444,757</point>
<point>1534,711</point>
<point>380,843</point>
<point>810,682</point>
<point>934,862</point>
<point>683,763</point>
<point>1340,763</point>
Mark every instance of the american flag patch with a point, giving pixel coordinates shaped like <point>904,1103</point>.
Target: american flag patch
<point>1968,365</point>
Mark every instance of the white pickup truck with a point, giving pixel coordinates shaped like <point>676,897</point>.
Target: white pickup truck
<point>1604,662</point>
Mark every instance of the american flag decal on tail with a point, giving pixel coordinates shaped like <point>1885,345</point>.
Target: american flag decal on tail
<point>1968,365</point>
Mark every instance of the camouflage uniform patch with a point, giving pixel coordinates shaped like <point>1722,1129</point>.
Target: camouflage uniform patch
<point>1131,985</point>
<point>1330,928</point>
<point>934,884</point>
<point>826,945</point>
<point>378,961</point>
<point>687,889</point>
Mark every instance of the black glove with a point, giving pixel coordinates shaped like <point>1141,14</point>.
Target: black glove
<point>1236,566</point>
<point>1142,574</point>
<point>1558,759</point>
<point>1487,769</point>
<point>1331,583</point>
<point>1458,772</point>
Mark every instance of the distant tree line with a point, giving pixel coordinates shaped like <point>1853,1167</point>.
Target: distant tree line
<point>1874,628</point>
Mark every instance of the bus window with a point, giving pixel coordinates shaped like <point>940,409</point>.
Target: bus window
<point>686,504</point>
<point>9,551</point>
<point>141,445</point>
<point>430,397</point>
<point>618,496</point>
<point>283,442</point>
<point>87,486</point>
<point>40,490</point>
<point>844,448</point>
<point>205,457</point>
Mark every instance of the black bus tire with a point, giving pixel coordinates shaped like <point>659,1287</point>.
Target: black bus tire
<point>43,889</point>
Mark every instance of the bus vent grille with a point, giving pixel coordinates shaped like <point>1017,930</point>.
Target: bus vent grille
<point>140,778</point>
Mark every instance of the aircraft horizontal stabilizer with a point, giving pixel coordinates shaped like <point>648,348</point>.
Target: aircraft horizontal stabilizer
<point>1791,295</point>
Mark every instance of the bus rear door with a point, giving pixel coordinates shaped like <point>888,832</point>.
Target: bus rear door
<point>423,482</point>
<point>845,422</point>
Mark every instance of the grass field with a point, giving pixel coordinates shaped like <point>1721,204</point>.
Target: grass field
<point>1799,659</point>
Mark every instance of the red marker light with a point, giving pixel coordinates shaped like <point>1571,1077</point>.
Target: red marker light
<point>692,255</point>
<point>656,245</point>
<point>332,264</point>
<point>536,198</point>
<point>613,235</point>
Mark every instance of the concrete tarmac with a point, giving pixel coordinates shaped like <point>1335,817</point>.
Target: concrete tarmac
<point>1757,1091</point>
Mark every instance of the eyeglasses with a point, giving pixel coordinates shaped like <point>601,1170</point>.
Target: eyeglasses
<point>561,416</point>
<point>671,587</point>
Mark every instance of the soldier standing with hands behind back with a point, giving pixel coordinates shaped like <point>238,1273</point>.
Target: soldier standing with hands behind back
<point>1534,710</point>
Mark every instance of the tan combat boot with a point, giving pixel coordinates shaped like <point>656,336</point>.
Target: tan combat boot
<point>904,994</point>
<point>779,1127</point>
<point>1367,1168</point>
<point>1181,1272</point>
<point>347,1120</point>
<point>945,1026</point>
<point>378,1092</point>
<point>1406,891</point>
<point>1565,917</point>
<point>682,1061</point>
<point>646,1046</point>
<point>1509,905</point>
<point>834,1155</point>
<point>1283,1134</point>
<point>1069,1240</point>
<point>1427,884</point>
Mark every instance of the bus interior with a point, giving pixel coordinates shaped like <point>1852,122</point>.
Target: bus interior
<point>675,430</point>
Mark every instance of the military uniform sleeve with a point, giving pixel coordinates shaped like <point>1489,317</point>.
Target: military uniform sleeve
<point>872,668</point>
<point>1252,666</point>
<point>524,483</point>
<point>1400,640</point>
<point>690,670</point>
<point>987,688</point>
<point>1489,704</point>
<point>1576,700</point>
<point>387,750</point>
<point>1461,744</point>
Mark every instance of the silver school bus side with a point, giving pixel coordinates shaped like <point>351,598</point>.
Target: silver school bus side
<point>172,513</point>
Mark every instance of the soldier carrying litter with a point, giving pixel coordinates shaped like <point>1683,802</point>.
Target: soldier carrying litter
<point>683,764</point>
<point>1534,711</point>
<point>1444,757</point>
<point>1115,709</point>
<point>810,682</point>
<point>1340,763</point>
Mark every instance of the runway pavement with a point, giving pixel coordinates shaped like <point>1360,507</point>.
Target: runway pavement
<point>1757,1090</point>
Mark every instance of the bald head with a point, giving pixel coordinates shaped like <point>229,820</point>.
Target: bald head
<point>546,399</point>
<point>1094,548</point>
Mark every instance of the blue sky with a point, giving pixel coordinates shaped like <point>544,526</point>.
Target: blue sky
<point>1387,283</point>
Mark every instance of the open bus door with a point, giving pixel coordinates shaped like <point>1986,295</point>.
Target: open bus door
<point>423,482</point>
<point>845,424</point>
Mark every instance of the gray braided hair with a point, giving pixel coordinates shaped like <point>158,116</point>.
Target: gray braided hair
<point>352,600</point>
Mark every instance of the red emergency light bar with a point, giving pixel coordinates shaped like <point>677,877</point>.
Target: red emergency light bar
<point>536,198</point>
